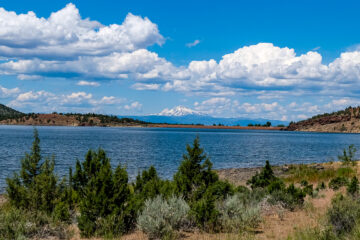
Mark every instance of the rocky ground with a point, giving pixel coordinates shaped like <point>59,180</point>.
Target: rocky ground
<point>346,121</point>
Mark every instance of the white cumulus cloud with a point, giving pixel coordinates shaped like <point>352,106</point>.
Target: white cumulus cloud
<point>8,92</point>
<point>133,106</point>
<point>65,34</point>
<point>88,83</point>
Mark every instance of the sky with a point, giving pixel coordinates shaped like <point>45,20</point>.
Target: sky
<point>283,60</point>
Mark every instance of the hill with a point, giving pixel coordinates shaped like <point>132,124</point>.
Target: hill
<point>347,120</point>
<point>9,113</point>
<point>68,119</point>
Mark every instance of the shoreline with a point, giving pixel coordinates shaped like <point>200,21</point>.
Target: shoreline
<point>212,127</point>
<point>239,176</point>
<point>156,125</point>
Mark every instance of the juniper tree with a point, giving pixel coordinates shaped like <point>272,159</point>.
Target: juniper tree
<point>264,178</point>
<point>36,187</point>
<point>31,163</point>
<point>105,197</point>
<point>195,171</point>
<point>200,185</point>
<point>96,191</point>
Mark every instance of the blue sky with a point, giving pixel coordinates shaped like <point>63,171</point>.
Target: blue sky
<point>274,59</point>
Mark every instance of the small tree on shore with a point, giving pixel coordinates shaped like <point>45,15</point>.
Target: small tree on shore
<point>200,186</point>
<point>264,178</point>
<point>104,195</point>
<point>348,155</point>
<point>36,187</point>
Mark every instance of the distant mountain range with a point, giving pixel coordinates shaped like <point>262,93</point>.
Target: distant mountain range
<point>177,115</point>
<point>183,115</point>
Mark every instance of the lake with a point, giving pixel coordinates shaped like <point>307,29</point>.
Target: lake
<point>139,148</point>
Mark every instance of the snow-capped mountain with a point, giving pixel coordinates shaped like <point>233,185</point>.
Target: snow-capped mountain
<point>184,115</point>
<point>178,111</point>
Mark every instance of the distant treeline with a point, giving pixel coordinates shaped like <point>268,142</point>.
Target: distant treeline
<point>84,117</point>
<point>267,124</point>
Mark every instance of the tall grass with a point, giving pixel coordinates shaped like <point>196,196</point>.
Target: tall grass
<point>298,173</point>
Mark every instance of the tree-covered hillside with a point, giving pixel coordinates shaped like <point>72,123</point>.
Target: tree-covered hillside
<point>13,117</point>
<point>9,113</point>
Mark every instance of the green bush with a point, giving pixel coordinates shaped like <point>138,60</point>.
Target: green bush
<point>161,217</point>
<point>276,185</point>
<point>308,190</point>
<point>353,187</point>
<point>220,189</point>
<point>264,178</point>
<point>252,197</point>
<point>290,197</point>
<point>238,214</point>
<point>19,224</point>
<point>241,189</point>
<point>338,182</point>
<point>148,185</point>
<point>205,213</point>
<point>343,214</point>
<point>321,186</point>
<point>61,212</point>
<point>304,183</point>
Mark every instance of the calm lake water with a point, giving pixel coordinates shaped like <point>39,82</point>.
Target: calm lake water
<point>139,148</point>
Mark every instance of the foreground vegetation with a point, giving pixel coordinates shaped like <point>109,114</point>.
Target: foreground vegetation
<point>101,202</point>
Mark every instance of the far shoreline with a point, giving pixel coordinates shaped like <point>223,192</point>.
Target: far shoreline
<point>156,125</point>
